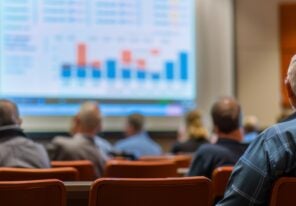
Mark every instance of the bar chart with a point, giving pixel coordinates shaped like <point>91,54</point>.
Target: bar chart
<point>124,68</point>
<point>98,49</point>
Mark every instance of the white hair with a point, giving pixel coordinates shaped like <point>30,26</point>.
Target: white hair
<point>291,75</point>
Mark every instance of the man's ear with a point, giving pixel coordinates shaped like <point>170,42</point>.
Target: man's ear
<point>74,125</point>
<point>289,89</point>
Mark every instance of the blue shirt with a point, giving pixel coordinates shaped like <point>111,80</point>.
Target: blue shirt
<point>271,155</point>
<point>139,145</point>
<point>103,145</point>
<point>248,138</point>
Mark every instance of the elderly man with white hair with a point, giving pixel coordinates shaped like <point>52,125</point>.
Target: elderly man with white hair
<point>16,150</point>
<point>271,155</point>
<point>85,144</point>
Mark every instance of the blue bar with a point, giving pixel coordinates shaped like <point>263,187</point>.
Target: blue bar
<point>183,65</point>
<point>169,70</point>
<point>141,74</point>
<point>66,71</point>
<point>155,76</point>
<point>111,69</point>
<point>96,73</point>
<point>81,72</point>
<point>126,73</point>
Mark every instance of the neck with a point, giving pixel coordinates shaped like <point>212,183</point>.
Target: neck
<point>236,135</point>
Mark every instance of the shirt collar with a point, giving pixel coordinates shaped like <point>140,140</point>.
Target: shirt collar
<point>291,117</point>
<point>10,131</point>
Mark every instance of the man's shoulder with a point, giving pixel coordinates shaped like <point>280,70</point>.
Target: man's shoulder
<point>279,129</point>
<point>208,147</point>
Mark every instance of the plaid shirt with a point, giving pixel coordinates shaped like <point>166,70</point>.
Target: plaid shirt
<point>270,156</point>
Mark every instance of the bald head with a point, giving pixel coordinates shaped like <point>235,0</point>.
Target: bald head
<point>88,119</point>
<point>226,115</point>
<point>9,114</point>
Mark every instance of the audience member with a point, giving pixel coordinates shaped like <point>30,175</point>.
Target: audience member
<point>137,141</point>
<point>226,116</point>
<point>15,149</point>
<point>82,146</point>
<point>270,156</point>
<point>195,131</point>
<point>250,128</point>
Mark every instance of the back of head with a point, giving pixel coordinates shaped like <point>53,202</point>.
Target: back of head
<point>194,125</point>
<point>251,124</point>
<point>226,115</point>
<point>136,121</point>
<point>9,114</point>
<point>89,116</point>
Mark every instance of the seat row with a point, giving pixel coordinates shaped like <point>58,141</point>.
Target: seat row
<point>190,191</point>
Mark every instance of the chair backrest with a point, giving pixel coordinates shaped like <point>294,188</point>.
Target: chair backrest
<point>220,179</point>
<point>182,161</point>
<point>19,174</point>
<point>33,193</point>
<point>85,168</point>
<point>191,191</point>
<point>284,192</point>
<point>140,169</point>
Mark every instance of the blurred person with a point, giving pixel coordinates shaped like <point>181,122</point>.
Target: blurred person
<point>195,131</point>
<point>251,128</point>
<point>137,141</point>
<point>270,156</point>
<point>226,117</point>
<point>83,145</point>
<point>16,150</point>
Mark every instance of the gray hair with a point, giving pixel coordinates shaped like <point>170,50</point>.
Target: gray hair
<point>89,115</point>
<point>9,114</point>
<point>291,75</point>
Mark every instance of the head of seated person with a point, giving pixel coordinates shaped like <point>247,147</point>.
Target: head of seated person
<point>196,134</point>
<point>9,114</point>
<point>137,142</point>
<point>15,149</point>
<point>83,143</point>
<point>226,117</point>
<point>135,124</point>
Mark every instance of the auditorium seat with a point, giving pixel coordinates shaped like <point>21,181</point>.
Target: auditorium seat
<point>182,161</point>
<point>140,169</point>
<point>220,179</point>
<point>32,193</point>
<point>19,174</point>
<point>193,191</point>
<point>284,192</point>
<point>85,168</point>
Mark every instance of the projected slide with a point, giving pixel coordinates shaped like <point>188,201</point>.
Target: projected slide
<point>105,49</point>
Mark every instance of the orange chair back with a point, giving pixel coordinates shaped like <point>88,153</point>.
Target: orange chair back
<point>19,174</point>
<point>140,169</point>
<point>284,192</point>
<point>85,168</point>
<point>182,161</point>
<point>220,179</point>
<point>33,193</point>
<point>193,191</point>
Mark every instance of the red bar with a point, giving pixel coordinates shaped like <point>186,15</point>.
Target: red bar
<point>141,63</point>
<point>96,64</point>
<point>126,57</point>
<point>155,52</point>
<point>81,55</point>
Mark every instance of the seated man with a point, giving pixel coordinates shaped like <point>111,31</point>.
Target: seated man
<point>272,155</point>
<point>137,142</point>
<point>82,146</point>
<point>226,116</point>
<point>15,149</point>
